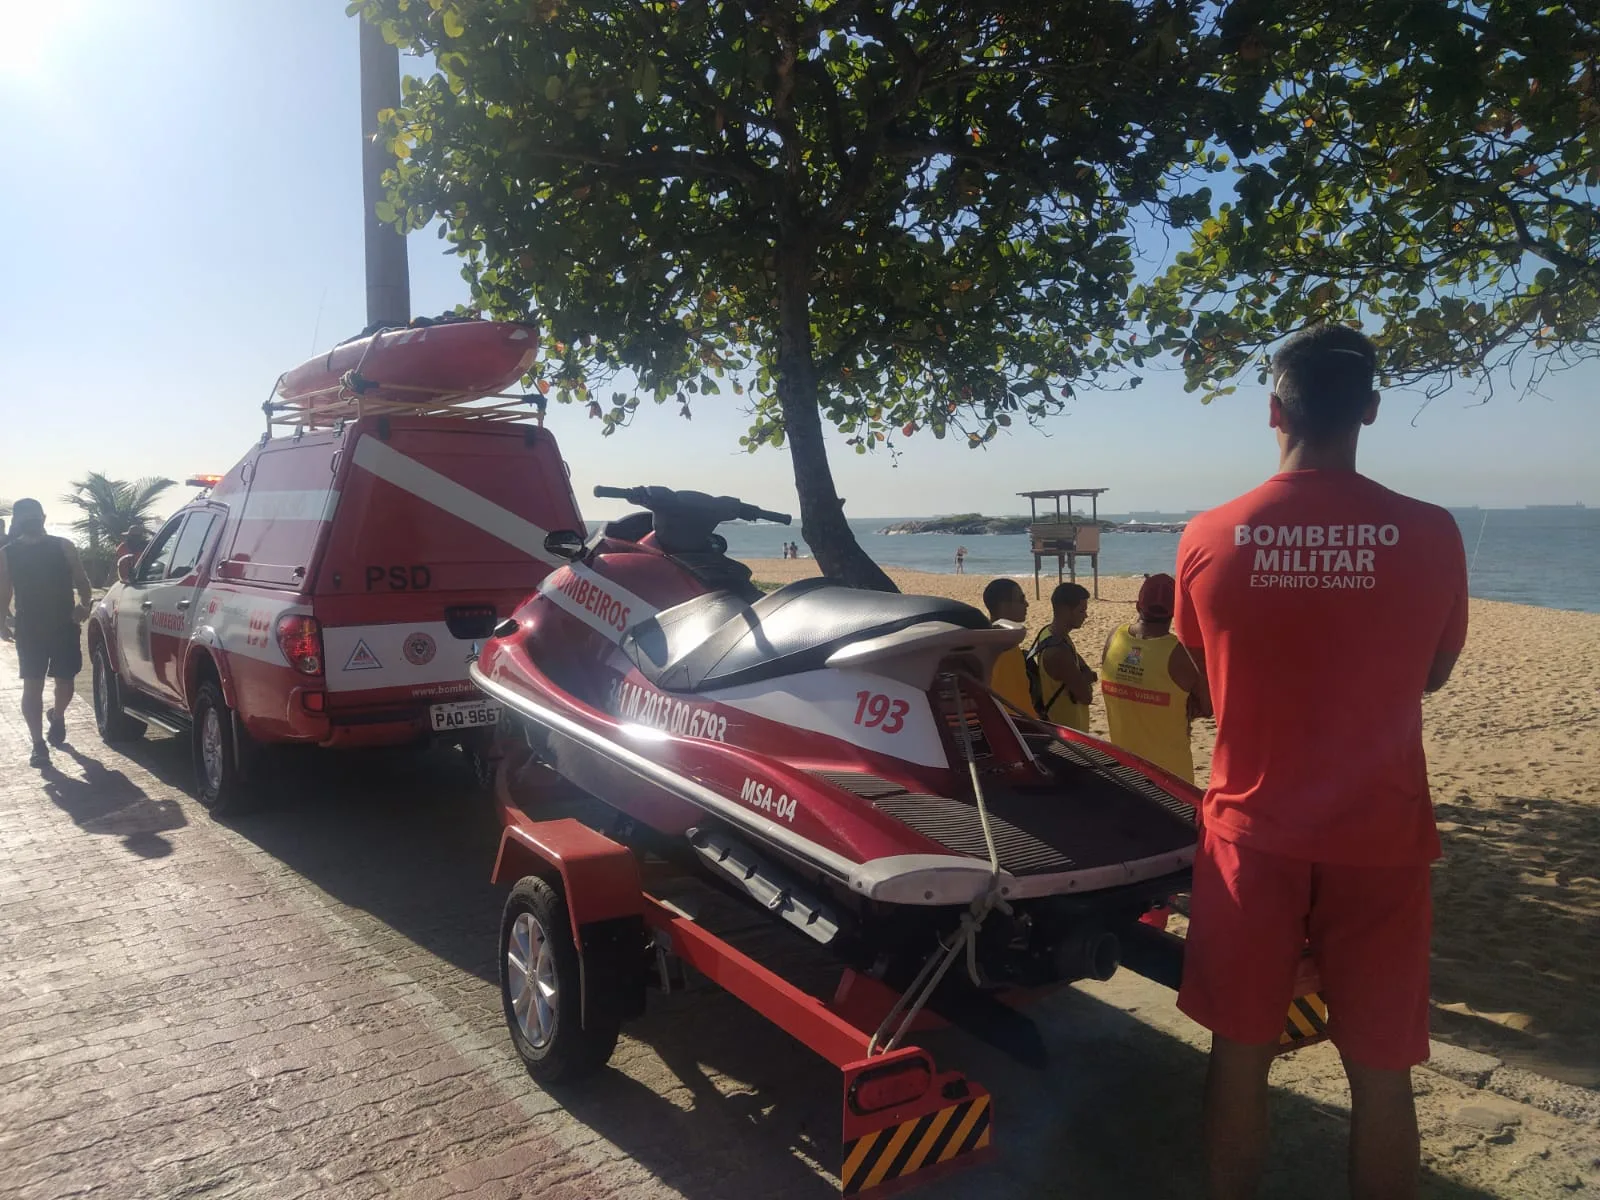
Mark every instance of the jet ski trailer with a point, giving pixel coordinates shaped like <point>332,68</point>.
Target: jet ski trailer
<point>830,759</point>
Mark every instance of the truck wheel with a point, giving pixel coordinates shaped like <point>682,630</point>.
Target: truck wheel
<point>541,992</point>
<point>222,784</point>
<point>114,724</point>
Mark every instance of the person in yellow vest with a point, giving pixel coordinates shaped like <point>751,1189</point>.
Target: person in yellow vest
<point>1008,609</point>
<point>1151,685</point>
<point>1063,683</point>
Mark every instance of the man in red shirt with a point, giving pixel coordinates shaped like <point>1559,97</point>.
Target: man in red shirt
<point>1321,607</point>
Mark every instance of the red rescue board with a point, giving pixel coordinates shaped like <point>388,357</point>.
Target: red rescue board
<point>458,358</point>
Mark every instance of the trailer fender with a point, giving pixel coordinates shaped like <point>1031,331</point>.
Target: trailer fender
<point>599,879</point>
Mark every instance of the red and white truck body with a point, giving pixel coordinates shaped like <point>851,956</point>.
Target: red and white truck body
<point>336,583</point>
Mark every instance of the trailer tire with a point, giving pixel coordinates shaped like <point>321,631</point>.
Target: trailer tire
<point>541,989</point>
<point>114,724</point>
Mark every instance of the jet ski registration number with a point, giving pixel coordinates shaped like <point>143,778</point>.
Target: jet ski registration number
<point>469,714</point>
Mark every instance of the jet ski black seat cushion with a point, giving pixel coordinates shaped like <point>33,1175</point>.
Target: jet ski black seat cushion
<point>714,641</point>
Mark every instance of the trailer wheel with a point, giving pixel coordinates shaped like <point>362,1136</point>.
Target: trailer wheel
<point>114,724</point>
<point>541,990</point>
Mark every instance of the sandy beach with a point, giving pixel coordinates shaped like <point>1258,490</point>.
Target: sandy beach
<point>1514,754</point>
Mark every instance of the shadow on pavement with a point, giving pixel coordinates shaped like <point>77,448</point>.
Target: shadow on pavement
<point>400,834</point>
<point>707,1096</point>
<point>105,801</point>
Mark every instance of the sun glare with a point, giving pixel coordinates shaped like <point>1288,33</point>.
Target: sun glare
<point>41,36</point>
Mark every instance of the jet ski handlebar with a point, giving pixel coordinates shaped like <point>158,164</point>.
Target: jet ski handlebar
<point>693,506</point>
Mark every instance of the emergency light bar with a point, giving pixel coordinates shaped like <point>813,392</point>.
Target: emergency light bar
<point>202,481</point>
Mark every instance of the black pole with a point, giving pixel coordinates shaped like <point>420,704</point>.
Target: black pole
<point>388,273</point>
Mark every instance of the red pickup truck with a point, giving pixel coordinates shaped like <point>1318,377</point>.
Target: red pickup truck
<point>330,590</point>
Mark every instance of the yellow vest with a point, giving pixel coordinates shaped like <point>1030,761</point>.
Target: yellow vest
<point>1147,712</point>
<point>1062,711</point>
<point>1010,678</point>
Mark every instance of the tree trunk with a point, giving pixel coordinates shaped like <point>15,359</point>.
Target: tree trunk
<point>822,523</point>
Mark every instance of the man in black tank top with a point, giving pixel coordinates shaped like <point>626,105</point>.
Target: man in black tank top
<point>41,572</point>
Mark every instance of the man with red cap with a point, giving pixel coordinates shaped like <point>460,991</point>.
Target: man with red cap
<point>1320,607</point>
<point>1151,685</point>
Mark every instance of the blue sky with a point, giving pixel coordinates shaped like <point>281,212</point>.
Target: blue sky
<point>182,223</point>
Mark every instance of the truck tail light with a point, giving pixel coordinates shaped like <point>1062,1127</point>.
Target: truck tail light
<point>300,639</point>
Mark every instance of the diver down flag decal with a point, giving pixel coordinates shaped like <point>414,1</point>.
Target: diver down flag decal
<point>904,1149</point>
<point>407,474</point>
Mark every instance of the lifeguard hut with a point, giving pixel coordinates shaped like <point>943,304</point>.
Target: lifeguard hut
<point>1065,537</point>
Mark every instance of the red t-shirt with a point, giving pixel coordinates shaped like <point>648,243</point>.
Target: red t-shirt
<point>1318,602</point>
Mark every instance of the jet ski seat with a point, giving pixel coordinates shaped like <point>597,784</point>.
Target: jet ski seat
<point>717,641</point>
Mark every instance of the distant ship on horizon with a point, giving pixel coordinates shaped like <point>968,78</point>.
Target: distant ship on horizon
<point>1579,504</point>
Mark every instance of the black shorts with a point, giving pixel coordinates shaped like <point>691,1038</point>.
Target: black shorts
<point>57,653</point>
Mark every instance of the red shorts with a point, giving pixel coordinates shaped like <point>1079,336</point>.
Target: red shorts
<point>1251,915</point>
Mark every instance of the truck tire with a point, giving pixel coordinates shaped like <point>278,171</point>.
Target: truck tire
<point>541,989</point>
<point>114,724</point>
<point>222,782</point>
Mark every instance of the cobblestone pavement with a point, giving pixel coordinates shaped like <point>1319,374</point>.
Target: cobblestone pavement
<point>302,1003</point>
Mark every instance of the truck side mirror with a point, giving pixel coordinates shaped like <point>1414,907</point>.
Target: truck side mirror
<point>125,568</point>
<point>564,543</point>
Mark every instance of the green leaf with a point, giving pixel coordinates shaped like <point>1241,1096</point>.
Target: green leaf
<point>453,25</point>
<point>553,88</point>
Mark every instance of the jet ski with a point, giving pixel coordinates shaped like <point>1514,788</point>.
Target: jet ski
<point>834,756</point>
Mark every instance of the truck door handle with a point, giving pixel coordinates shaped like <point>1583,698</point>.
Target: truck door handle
<point>183,604</point>
<point>148,604</point>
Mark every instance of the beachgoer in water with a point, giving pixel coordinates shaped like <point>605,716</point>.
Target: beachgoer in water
<point>1008,609</point>
<point>961,560</point>
<point>41,572</point>
<point>1062,683</point>
<point>1320,608</point>
<point>1149,682</point>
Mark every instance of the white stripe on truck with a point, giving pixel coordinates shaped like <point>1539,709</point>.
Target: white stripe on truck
<point>407,474</point>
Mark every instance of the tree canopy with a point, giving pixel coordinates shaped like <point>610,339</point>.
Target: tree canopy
<point>925,215</point>
<point>1427,170</point>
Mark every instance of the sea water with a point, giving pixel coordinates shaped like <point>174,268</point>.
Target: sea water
<point>1546,557</point>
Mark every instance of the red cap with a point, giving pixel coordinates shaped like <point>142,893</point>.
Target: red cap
<point>1156,597</point>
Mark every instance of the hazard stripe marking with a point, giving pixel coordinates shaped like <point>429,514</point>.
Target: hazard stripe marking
<point>889,1153</point>
<point>904,1149</point>
<point>959,1141</point>
<point>920,1154</point>
<point>1307,1019</point>
<point>858,1154</point>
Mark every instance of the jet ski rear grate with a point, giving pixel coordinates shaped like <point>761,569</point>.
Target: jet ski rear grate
<point>1137,781</point>
<point>954,824</point>
<point>1087,818</point>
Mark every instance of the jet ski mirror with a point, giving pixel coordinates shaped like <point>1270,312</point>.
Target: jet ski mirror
<point>564,543</point>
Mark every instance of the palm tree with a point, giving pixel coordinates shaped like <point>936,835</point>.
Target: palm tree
<point>111,506</point>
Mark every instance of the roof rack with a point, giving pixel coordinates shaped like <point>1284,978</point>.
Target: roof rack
<point>351,399</point>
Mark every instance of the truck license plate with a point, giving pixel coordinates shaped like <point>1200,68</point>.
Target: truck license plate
<point>469,714</point>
